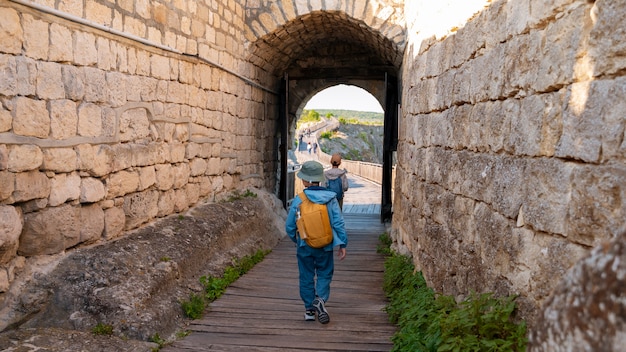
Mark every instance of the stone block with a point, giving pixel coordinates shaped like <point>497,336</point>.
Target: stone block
<point>49,81</point>
<point>75,7</point>
<point>64,187</point>
<point>181,203</point>
<point>106,60</point>
<point>63,119</point>
<point>61,48</point>
<point>11,224</point>
<point>96,89</point>
<point>548,187</point>
<point>596,206</point>
<point>134,124</point>
<point>50,231</point>
<point>24,157</point>
<point>91,190</point>
<point>134,26</point>
<point>114,222</point>
<point>121,183</point>
<point>164,177</point>
<point>96,160</point>
<point>59,160</point>
<point>177,153</point>
<point>8,68</point>
<point>6,120</point>
<point>147,177</point>
<point>31,118</point>
<point>7,184</point>
<point>160,67</point>
<point>99,13</point>
<point>197,167</point>
<point>85,52</point>
<point>140,208</point>
<point>608,44</point>
<point>116,83</point>
<point>193,193</point>
<point>11,33</point>
<point>166,203</point>
<point>92,223</point>
<point>89,120</point>
<point>214,167</point>
<point>181,175</point>
<point>74,82</point>
<point>36,38</point>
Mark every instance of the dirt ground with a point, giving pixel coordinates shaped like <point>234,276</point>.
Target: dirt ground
<point>136,284</point>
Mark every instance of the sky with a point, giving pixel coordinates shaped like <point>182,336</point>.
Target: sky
<point>344,97</point>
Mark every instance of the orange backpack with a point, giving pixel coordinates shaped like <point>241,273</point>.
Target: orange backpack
<point>313,223</point>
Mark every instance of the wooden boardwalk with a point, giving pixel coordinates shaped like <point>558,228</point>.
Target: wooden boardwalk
<point>262,311</point>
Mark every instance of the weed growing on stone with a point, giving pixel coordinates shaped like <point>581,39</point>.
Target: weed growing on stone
<point>236,195</point>
<point>158,340</point>
<point>428,321</point>
<point>102,329</point>
<point>215,286</point>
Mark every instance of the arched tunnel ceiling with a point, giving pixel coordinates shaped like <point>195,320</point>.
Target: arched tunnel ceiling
<point>327,44</point>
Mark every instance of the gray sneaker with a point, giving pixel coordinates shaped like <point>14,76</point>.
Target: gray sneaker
<point>309,315</point>
<point>322,313</point>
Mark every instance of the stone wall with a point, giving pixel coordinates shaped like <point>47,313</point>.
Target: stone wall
<point>136,113</point>
<point>511,161</point>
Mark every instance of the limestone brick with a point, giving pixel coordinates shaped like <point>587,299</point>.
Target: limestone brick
<point>147,177</point>
<point>64,187</point>
<point>114,222</point>
<point>106,61</point>
<point>134,124</point>
<point>24,157</point>
<point>50,231</point>
<point>59,160</point>
<point>73,82</point>
<point>121,183</point>
<point>177,153</point>
<point>91,190</point>
<point>181,203</point>
<point>165,203</point>
<point>96,160</point>
<point>92,223</point>
<point>11,33</point>
<point>164,177</point>
<point>31,118</point>
<point>31,185</point>
<point>85,52</point>
<point>134,26</point>
<point>181,175</point>
<point>74,7</point>
<point>143,63</point>
<point>36,37</point>
<point>89,120</point>
<point>197,167</point>
<point>193,193</point>
<point>7,184</point>
<point>61,39</point>
<point>11,224</point>
<point>116,83</point>
<point>214,167</point>
<point>123,156</point>
<point>63,119</point>
<point>140,207</point>
<point>26,76</point>
<point>160,67</point>
<point>6,120</point>
<point>8,68</point>
<point>49,81</point>
<point>98,13</point>
<point>96,89</point>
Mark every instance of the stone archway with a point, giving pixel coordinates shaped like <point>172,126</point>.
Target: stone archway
<point>312,48</point>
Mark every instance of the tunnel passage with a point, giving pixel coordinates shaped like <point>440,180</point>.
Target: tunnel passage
<point>321,49</point>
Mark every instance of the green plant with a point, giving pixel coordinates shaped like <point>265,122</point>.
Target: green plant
<point>182,334</point>
<point>181,217</point>
<point>165,259</point>
<point>327,134</point>
<point>428,321</point>
<point>236,195</point>
<point>158,340</point>
<point>102,329</point>
<point>384,245</point>
<point>194,307</point>
<point>215,286</point>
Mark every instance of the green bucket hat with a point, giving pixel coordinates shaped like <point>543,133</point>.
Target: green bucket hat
<point>311,171</point>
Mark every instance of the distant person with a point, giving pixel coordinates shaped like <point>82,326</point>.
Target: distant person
<point>308,147</point>
<point>316,265</point>
<point>336,179</point>
<point>315,148</point>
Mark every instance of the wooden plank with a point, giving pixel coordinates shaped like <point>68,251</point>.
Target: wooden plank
<point>263,312</point>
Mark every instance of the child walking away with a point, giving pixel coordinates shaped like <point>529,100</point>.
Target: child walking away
<point>336,179</point>
<point>315,261</point>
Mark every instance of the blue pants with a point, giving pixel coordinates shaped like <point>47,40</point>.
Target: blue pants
<point>312,262</point>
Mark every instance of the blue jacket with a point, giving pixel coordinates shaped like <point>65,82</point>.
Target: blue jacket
<point>319,195</point>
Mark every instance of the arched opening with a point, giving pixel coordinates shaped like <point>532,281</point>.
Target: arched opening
<point>323,49</point>
<point>347,120</point>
